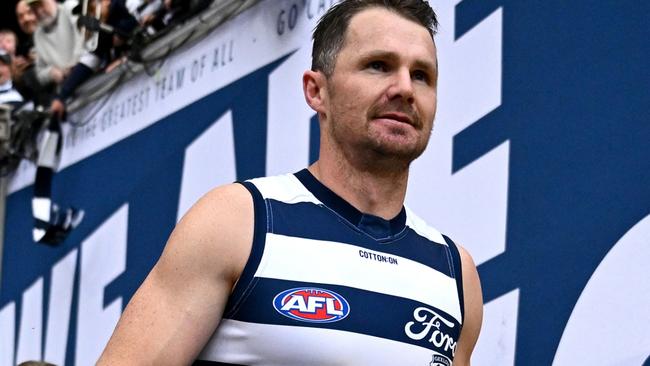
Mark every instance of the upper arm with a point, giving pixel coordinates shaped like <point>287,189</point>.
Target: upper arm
<point>180,303</point>
<point>473,300</point>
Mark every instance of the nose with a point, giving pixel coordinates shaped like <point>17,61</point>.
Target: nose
<point>401,86</point>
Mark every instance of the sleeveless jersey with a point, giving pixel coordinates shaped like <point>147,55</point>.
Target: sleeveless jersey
<point>326,284</point>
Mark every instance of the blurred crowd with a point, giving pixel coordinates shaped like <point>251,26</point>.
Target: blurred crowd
<point>64,43</point>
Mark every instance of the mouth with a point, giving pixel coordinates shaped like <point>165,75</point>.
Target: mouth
<point>396,116</point>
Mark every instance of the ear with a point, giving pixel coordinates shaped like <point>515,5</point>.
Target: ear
<point>314,87</point>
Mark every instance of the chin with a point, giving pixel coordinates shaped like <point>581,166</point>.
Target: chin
<point>48,21</point>
<point>404,153</point>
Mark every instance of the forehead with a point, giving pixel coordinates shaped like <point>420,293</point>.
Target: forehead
<point>36,4</point>
<point>7,36</point>
<point>382,29</point>
<point>21,7</point>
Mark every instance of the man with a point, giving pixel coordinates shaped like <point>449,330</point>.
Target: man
<point>324,266</point>
<point>57,41</point>
<point>8,94</point>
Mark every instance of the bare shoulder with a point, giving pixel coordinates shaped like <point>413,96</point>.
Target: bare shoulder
<point>473,299</point>
<point>180,303</point>
<point>219,227</point>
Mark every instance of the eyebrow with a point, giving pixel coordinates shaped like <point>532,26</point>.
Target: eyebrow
<point>393,56</point>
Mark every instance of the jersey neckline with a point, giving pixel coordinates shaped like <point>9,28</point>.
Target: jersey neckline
<point>375,226</point>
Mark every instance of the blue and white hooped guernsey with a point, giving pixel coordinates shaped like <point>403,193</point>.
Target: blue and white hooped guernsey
<point>328,285</point>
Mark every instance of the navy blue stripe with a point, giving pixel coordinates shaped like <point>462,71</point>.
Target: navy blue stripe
<point>375,226</point>
<point>310,221</point>
<point>458,269</point>
<point>371,313</point>
<point>43,182</point>
<point>245,283</point>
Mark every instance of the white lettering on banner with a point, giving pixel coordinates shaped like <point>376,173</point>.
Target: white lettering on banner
<point>438,338</point>
<point>103,258</point>
<point>615,287</point>
<point>500,330</point>
<point>209,162</point>
<point>58,319</point>
<point>7,334</point>
<point>477,193</point>
<point>287,135</point>
<point>31,324</point>
<point>29,342</point>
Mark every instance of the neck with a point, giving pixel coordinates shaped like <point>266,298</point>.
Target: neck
<point>379,192</point>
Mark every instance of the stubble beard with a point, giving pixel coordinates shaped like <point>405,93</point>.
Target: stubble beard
<point>368,150</point>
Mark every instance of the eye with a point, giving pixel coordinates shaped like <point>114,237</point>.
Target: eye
<point>378,66</point>
<point>420,75</point>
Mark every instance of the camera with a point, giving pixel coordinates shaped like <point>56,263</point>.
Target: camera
<point>19,129</point>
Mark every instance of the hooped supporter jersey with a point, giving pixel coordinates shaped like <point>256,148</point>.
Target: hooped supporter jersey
<point>328,285</point>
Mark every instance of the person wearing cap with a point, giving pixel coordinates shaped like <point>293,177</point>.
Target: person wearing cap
<point>8,94</point>
<point>57,40</point>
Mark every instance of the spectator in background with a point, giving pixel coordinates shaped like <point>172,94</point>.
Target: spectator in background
<point>109,51</point>
<point>8,94</point>
<point>27,22</point>
<point>8,41</point>
<point>57,40</point>
<point>22,56</point>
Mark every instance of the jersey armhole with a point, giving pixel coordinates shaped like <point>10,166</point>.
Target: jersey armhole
<point>246,280</point>
<point>458,274</point>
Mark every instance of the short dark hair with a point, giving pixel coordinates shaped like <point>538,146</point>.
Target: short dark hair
<point>7,32</point>
<point>330,32</point>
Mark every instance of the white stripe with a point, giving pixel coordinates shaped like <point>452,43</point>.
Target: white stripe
<point>38,234</point>
<point>285,188</point>
<point>245,343</point>
<point>47,156</point>
<point>341,264</point>
<point>422,228</point>
<point>42,208</point>
<point>11,96</point>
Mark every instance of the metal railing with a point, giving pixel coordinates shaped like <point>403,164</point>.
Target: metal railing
<point>190,31</point>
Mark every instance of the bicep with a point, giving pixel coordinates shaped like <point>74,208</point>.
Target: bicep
<point>473,299</point>
<point>181,301</point>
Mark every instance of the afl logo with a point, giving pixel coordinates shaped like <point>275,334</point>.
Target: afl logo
<point>310,304</point>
